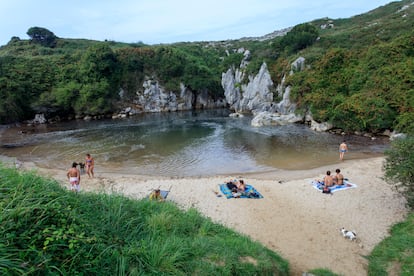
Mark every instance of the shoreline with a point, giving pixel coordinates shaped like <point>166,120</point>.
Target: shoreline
<point>293,218</point>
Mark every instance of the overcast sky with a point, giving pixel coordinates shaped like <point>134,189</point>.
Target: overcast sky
<point>167,21</point>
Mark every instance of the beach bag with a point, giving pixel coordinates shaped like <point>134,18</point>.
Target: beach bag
<point>326,190</point>
<point>231,186</point>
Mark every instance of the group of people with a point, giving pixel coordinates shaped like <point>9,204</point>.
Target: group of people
<point>74,174</point>
<point>332,180</point>
<point>237,187</point>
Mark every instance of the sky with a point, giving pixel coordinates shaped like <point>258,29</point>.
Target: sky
<point>168,21</point>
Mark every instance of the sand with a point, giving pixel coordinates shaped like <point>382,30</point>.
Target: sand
<point>293,218</point>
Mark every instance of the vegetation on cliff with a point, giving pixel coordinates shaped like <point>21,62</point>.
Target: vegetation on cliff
<point>358,76</point>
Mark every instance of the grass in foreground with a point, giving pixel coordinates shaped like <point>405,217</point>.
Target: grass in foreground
<point>45,229</point>
<point>395,254</point>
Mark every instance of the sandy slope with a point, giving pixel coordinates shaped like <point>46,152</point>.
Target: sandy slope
<point>293,218</point>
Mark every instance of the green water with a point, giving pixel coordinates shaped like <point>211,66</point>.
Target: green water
<point>181,144</point>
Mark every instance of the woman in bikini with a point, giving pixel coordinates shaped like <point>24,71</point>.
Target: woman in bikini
<point>90,163</point>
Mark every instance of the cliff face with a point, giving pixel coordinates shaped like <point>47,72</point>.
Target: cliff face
<point>254,96</point>
<point>257,96</point>
<point>155,98</point>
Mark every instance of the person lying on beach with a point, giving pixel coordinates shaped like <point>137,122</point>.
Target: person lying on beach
<point>241,187</point>
<point>237,187</point>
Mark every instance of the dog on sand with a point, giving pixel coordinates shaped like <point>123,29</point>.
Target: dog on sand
<point>351,235</point>
<point>81,167</point>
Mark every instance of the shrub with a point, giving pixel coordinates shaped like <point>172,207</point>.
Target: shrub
<point>399,167</point>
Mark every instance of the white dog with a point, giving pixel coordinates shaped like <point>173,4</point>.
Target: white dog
<point>348,234</point>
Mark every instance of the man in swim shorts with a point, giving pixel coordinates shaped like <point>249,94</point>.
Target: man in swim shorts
<point>74,177</point>
<point>342,149</point>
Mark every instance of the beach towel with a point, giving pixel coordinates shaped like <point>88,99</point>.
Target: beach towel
<point>250,192</point>
<point>164,193</point>
<point>347,185</point>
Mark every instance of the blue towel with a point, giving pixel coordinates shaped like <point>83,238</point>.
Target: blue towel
<point>250,192</point>
<point>347,185</point>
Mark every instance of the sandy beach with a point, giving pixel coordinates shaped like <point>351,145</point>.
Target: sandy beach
<point>294,219</point>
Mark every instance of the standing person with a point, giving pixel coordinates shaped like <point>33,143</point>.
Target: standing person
<point>90,163</point>
<point>342,149</point>
<point>74,177</point>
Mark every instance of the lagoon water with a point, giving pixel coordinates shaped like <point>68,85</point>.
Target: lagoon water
<point>181,144</point>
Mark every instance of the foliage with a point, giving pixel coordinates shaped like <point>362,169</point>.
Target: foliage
<point>47,230</point>
<point>365,90</point>
<point>399,166</point>
<point>42,36</point>
<point>322,272</point>
<point>358,76</point>
<point>300,37</point>
<point>394,255</point>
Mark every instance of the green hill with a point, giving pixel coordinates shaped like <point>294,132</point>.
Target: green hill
<point>359,73</point>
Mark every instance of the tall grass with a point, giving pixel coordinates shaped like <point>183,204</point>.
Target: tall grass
<point>46,229</point>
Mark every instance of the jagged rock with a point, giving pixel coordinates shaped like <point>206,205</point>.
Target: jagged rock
<point>269,118</point>
<point>257,94</point>
<point>232,92</point>
<point>298,64</point>
<point>38,119</point>
<point>395,135</point>
<point>236,115</point>
<point>320,127</point>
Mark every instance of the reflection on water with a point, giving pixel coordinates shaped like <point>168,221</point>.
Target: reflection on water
<point>181,144</point>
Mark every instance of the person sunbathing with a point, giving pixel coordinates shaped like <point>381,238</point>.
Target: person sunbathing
<point>241,186</point>
<point>338,179</point>
<point>156,195</point>
<point>328,180</point>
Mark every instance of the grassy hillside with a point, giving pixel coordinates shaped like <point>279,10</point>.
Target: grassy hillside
<point>47,230</point>
<point>359,73</point>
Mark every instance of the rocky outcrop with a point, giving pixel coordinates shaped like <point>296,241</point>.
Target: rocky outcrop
<point>38,119</point>
<point>266,118</point>
<point>257,95</point>
<point>154,98</point>
<point>320,127</point>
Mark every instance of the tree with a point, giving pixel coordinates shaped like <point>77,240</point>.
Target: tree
<point>99,81</point>
<point>42,36</point>
<point>300,37</point>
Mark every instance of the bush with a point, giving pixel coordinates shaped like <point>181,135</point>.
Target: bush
<point>399,167</point>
